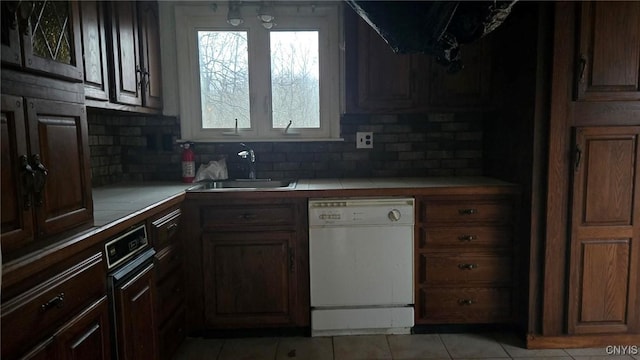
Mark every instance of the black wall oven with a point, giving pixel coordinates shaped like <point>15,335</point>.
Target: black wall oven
<point>130,284</point>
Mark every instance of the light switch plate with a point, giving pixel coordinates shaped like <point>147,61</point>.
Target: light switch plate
<point>364,140</point>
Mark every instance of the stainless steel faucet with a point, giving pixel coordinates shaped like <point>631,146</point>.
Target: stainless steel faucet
<point>250,155</point>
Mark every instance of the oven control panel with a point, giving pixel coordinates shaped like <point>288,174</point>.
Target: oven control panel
<point>126,246</point>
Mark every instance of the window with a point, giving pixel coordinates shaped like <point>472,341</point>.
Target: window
<point>250,83</point>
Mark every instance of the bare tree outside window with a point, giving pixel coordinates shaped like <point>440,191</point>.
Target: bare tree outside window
<point>224,78</point>
<point>295,84</point>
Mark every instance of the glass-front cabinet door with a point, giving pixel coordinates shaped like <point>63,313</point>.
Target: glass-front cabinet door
<point>43,36</point>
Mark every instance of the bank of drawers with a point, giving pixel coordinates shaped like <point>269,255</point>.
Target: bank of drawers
<point>40,321</point>
<point>464,259</point>
<point>170,280</point>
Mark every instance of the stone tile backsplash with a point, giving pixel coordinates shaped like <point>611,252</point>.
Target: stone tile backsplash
<point>143,148</point>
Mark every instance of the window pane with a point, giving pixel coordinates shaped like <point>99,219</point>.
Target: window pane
<point>224,78</point>
<point>295,86</point>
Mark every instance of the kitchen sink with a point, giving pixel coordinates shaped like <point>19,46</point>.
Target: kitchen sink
<point>244,184</point>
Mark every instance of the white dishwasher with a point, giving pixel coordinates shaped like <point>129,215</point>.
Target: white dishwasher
<point>361,265</point>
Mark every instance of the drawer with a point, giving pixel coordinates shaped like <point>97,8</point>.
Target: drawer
<point>164,229</point>
<point>464,305</point>
<point>465,236</point>
<point>170,294</point>
<point>167,261</point>
<point>465,211</point>
<point>464,269</point>
<point>171,334</point>
<point>42,309</point>
<point>248,215</point>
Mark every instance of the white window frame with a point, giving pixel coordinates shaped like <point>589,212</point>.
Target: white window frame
<point>324,17</point>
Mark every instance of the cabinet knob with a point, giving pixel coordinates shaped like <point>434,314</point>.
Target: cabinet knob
<point>467,237</point>
<point>248,216</point>
<point>467,211</point>
<point>467,266</point>
<point>465,302</point>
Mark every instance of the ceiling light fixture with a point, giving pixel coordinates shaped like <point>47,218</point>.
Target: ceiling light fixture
<point>233,16</point>
<point>265,14</point>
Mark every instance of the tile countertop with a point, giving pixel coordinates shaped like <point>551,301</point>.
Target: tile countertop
<point>397,183</point>
<point>114,202</point>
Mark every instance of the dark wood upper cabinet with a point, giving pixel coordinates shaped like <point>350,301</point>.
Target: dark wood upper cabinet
<point>43,37</point>
<point>605,256</point>
<point>121,47</point>
<point>45,170</point>
<point>470,86</point>
<point>17,176</point>
<point>608,58</point>
<point>385,79</point>
<point>58,137</point>
<point>94,50</point>
<point>150,53</point>
<point>127,73</point>
<point>11,52</point>
<point>381,81</point>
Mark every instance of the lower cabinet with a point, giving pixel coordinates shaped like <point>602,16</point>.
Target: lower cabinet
<point>250,264</point>
<point>86,336</point>
<point>135,315</point>
<point>66,316</point>
<point>465,259</point>
<point>170,280</point>
<point>249,278</point>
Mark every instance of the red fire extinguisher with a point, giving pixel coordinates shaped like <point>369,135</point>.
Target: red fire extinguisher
<point>188,164</point>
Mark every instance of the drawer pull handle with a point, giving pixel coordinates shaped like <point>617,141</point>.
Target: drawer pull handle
<point>172,227</point>
<point>465,302</point>
<point>467,237</point>
<point>57,301</point>
<point>248,216</point>
<point>467,266</point>
<point>467,211</point>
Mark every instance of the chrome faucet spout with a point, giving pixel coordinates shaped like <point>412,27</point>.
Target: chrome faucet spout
<point>250,155</point>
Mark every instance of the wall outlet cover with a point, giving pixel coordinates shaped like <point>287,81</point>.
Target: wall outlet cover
<point>364,140</point>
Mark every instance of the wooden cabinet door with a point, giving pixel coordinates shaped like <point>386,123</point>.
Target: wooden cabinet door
<point>94,50</point>
<point>249,278</point>
<point>17,216</point>
<point>469,87</point>
<point>608,59</point>
<point>10,51</point>
<point>87,335</point>
<point>135,312</point>
<point>62,187</point>
<point>605,242</point>
<point>386,80</point>
<point>126,82</point>
<point>150,53</point>
<point>51,42</point>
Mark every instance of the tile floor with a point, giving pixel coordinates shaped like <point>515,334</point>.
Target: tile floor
<point>383,347</point>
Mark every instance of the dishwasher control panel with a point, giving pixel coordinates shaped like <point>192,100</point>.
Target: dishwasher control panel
<point>361,211</point>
